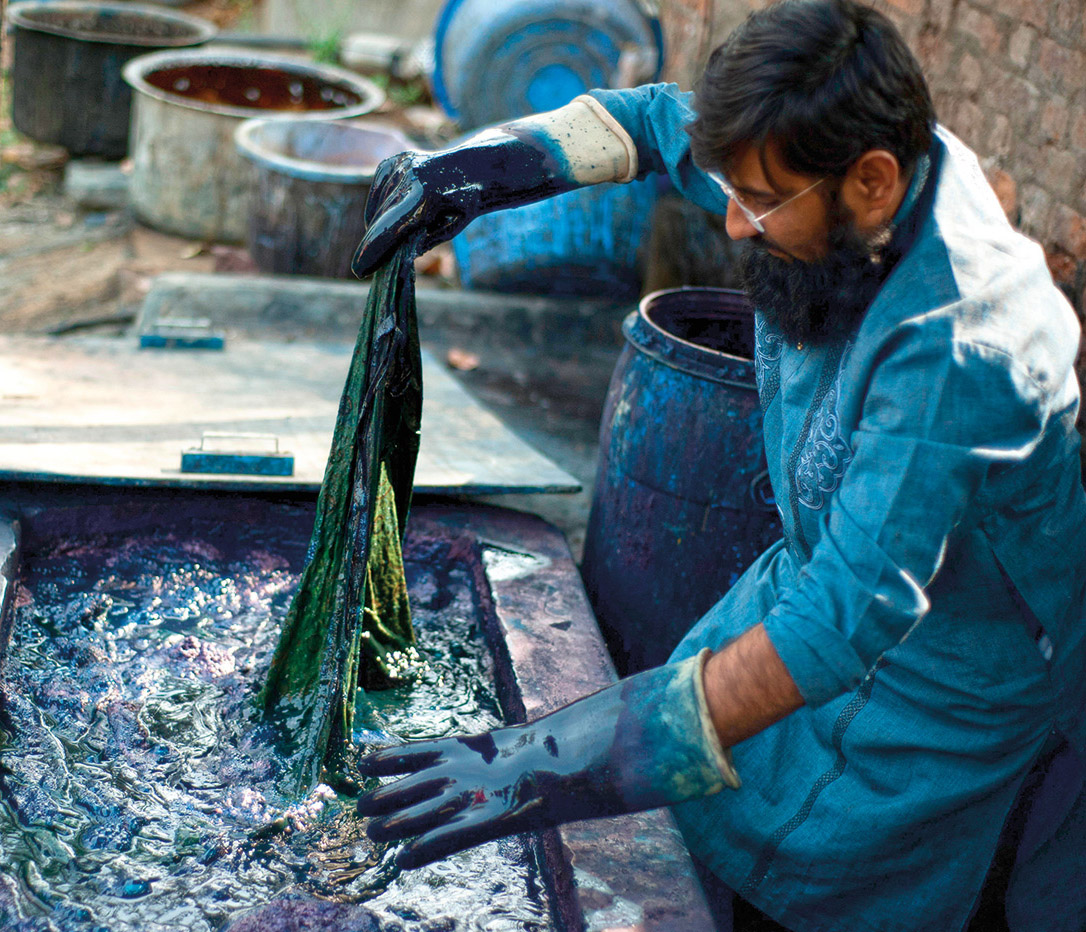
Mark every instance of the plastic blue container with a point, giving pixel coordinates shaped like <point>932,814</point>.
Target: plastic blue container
<point>496,60</point>
<point>586,242</point>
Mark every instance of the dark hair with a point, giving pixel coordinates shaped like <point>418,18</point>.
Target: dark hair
<point>826,79</point>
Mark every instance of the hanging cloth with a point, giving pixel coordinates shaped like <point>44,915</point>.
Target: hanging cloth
<point>349,624</point>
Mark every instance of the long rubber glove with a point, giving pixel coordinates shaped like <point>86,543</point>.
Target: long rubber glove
<point>645,742</point>
<point>440,193</point>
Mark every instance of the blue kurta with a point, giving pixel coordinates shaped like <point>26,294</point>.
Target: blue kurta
<point>928,595</point>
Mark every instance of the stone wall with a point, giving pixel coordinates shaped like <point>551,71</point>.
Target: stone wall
<point>1009,77</point>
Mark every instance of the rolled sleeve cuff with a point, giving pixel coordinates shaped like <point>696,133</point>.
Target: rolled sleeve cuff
<point>821,661</point>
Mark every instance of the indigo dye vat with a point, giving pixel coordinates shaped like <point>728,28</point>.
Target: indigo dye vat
<point>66,75</point>
<point>140,790</point>
<point>187,176</point>
<point>682,501</point>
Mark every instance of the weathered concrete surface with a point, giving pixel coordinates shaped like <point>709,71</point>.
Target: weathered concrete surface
<point>294,305</point>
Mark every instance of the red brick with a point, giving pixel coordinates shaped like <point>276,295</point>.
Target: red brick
<point>1034,12</point>
<point>970,74</point>
<point>1064,174</point>
<point>1064,17</point>
<point>940,14</point>
<point>1070,231</point>
<point>1053,124</point>
<point>983,28</point>
<point>909,7</point>
<point>1016,96</point>
<point>1036,207</point>
<point>969,124</point>
<point>1021,45</point>
<point>1061,66</point>
<point>1006,190</point>
<point>1078,132</point>
<point>936,55</point>
<point>1001,137</point>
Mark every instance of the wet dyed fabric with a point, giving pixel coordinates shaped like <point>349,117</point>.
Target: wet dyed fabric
<point>349,622</point>
<point>928,594</point>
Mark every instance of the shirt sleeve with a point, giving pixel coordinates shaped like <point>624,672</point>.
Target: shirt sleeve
<point>655,117</point>
<point>938,415</point>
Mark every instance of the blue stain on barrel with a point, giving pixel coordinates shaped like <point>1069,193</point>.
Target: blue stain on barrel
<point>586,242</point>
<point>682,502</point>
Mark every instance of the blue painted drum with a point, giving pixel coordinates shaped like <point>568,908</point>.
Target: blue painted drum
<point>682,503</point>
<point>584,243</point>
<point>498,61</point>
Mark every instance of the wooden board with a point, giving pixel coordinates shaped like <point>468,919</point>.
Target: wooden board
<point>104,410</point>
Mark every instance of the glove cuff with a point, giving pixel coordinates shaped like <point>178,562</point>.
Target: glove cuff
<point>666,739</point>
<point>720,754</point>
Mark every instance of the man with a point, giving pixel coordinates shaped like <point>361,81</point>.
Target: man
<point>883,679</point>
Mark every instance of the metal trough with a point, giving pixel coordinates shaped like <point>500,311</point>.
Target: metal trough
<point>530,607</point>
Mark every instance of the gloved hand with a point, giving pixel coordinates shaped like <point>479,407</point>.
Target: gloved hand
<point>513,164</point>
<point>644,742</point>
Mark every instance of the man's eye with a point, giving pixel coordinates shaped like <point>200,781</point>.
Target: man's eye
<point>762,204</point>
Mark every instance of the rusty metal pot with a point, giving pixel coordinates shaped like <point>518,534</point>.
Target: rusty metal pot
<point>187,175</point>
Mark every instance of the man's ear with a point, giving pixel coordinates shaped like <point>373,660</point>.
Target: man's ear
<point>873,188</point>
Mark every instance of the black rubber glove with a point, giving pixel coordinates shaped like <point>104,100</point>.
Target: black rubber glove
<point>517,163</point>
<point>642,743</point>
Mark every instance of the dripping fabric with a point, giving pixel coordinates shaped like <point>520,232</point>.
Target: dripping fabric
<point>350,620</point>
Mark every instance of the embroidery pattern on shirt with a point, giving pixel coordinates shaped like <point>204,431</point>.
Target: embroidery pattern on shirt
<point>826,454</point>
<point>768,346</point>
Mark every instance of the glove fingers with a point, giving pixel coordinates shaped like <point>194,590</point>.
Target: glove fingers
<point>384,181</point>
<point>397,215</point>
<point>474,827</point>
<point>403,759</point>
<point>417,819</point>
<point>398,795</point>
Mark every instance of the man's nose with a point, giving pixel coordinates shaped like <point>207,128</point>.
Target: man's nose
<point>737,224</point>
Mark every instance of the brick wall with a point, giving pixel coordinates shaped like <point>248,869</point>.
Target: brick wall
<point>1009,77</point>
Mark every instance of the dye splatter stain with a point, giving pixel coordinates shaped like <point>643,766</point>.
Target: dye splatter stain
<point>139,789</point>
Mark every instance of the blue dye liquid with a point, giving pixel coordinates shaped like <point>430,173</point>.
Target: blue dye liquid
<point>137,787</point>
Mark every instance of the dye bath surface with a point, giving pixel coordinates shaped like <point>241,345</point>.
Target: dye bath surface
<point>139,792</point>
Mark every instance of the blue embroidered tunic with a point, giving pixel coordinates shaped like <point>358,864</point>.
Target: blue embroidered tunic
<point>928,595</point>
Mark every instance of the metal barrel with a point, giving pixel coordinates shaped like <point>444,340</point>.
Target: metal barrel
<point>682,501</point>
<point>66,74</point>
<point>312,178</point>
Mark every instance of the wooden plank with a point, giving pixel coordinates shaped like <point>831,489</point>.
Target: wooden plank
<point>104,410</point>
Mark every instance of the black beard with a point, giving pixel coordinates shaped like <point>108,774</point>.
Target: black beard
<point>817,301</point>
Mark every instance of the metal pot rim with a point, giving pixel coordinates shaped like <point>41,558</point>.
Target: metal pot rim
<point>203,30</point>
<point>308,169</point>
<point>134,75</point>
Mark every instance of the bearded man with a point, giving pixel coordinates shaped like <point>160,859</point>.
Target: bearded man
<point>892,680</point>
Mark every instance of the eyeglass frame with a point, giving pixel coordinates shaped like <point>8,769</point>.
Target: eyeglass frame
<point>755,220</point>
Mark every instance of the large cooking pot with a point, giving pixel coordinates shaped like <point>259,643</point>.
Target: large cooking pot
<point>66,77</point>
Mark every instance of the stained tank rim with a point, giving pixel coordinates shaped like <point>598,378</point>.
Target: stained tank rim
<point>203,30</point>
<point>248,143</point>
<point>136,70</point>
<point>648,337</point>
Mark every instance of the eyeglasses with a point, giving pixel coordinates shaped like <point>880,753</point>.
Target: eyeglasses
<point>756,219</point>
